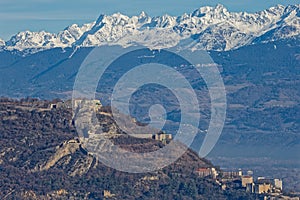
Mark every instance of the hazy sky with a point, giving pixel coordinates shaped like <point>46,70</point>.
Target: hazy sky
<point>55,15</point>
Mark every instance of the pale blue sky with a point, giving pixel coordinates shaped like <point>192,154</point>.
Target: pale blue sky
<point>55,15</point>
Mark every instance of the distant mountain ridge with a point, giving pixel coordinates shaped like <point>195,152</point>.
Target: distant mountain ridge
<point>214,28</point>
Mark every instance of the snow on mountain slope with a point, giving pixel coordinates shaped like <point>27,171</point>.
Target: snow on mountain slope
<point>222,36</point>
<point>2,42</point>
<point>214,28</point>
<point>288,26</point>
<point>27,39</point>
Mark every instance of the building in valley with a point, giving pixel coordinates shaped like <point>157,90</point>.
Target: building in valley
<point>246,180</point>
<point>204,172</point>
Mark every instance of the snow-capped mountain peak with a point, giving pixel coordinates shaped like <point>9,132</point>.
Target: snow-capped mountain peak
<point>143,15</point>
<point>214,27</point>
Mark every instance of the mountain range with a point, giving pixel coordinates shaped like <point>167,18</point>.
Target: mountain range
<point>214,28</point>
